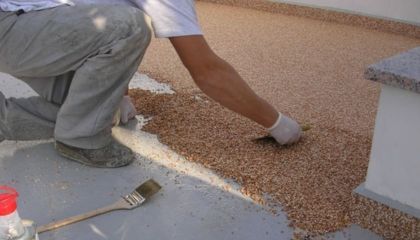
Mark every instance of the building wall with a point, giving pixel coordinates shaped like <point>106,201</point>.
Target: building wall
<point>394,166</point>
<point>405,10</point>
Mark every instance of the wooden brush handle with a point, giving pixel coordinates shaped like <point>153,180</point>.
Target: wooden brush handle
<point>61,223</point>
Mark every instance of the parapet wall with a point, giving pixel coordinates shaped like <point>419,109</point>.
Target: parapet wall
<point>335,14</point>
<point>405,11</point>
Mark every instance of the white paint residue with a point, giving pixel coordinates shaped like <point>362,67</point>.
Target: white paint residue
<point>100,23</point>
<point>144,82</point>
<point>96,230</point>
<point>142,121</point>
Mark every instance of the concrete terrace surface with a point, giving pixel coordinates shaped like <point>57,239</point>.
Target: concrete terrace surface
<point>309,69</point>
<point>194,203</point>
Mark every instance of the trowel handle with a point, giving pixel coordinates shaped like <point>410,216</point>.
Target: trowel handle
<point>61,223</point>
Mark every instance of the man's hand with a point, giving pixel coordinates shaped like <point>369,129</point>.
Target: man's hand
<point>126,110</point>
<point>286,131</point>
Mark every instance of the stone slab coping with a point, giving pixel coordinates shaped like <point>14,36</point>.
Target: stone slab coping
<point>402,71</point>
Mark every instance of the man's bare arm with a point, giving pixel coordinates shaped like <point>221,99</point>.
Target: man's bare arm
<point>220,81</point>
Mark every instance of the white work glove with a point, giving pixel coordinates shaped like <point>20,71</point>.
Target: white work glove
<point>286,131</point>
<point>125,112</point>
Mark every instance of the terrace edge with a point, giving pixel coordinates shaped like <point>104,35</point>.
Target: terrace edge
<point>330,15</point>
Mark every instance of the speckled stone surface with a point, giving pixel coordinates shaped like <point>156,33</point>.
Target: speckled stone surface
<point>402,71</point>
<point>383,220</point>
<point>309,69</point>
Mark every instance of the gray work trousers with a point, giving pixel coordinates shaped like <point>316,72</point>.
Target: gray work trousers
<point>79,59</point>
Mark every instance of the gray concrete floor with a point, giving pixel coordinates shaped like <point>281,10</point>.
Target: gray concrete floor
<point>194,203</point>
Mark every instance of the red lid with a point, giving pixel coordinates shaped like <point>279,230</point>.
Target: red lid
<point>8,198</point>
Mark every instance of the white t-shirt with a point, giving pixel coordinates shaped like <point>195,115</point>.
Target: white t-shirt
<point>170,18</point>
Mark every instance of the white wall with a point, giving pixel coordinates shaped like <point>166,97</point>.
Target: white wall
<point>394,166</point>
<point>404,10</point>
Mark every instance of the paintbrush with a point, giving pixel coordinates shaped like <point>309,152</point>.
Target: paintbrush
<point>128,202</point>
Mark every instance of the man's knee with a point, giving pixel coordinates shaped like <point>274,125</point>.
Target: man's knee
<point>140,23</point>
<point>122,22</point>
<point>144,22</point>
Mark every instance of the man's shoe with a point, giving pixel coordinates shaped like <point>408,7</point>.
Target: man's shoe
<point>113,155</point>
<point>2,137</point>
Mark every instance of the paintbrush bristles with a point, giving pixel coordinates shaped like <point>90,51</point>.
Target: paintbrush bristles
<point>148,188</point>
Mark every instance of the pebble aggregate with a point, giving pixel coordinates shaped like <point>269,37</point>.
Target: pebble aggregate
<point>311,70</point>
